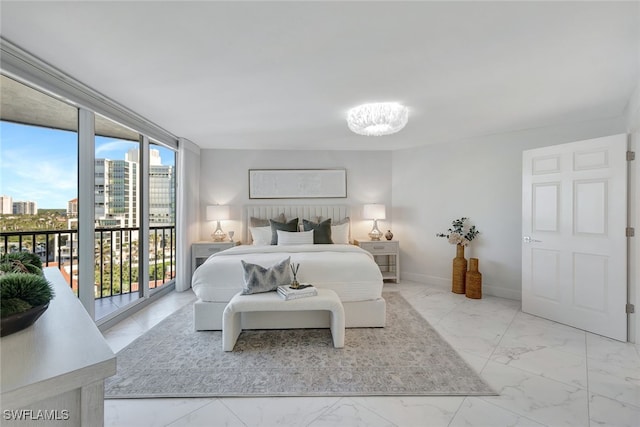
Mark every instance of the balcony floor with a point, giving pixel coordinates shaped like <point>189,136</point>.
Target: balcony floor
<point>107,305</point>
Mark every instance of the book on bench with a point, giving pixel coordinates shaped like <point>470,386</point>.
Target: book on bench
<point>287,293</point>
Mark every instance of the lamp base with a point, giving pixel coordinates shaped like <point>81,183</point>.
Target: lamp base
<point>375,234</point>
<point>218,235</point>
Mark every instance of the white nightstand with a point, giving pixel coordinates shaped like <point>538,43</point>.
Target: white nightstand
<point>386,254</point>
<point>200,251</point>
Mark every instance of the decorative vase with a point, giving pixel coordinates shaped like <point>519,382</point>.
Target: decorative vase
<point>388,235</point>
<point>473,280</point>
<point>459,271</point>
<point>19,321</point>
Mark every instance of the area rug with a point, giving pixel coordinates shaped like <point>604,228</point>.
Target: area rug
<point>407,357</point>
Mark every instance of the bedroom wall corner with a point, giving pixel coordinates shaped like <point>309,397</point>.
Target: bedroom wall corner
<point>188,208</point>
<point>224,179</point>
<point>478,178</point>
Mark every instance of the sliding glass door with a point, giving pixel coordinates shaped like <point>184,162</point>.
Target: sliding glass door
<point>52,199</point>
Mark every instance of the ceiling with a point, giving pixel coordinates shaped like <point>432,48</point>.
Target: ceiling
<point>282,75</point>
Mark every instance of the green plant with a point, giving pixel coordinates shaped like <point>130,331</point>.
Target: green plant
<point>21,262</point>
<point>460,232</point>
<point>12,306</point>
<point>32,289</point>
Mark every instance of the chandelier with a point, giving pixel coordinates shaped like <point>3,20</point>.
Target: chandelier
<point>376,119</point>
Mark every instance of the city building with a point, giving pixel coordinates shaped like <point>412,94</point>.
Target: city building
<point>25,208</point>
<point>6,205</point>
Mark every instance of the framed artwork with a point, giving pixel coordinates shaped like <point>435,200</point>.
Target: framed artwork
<point>297,183</point>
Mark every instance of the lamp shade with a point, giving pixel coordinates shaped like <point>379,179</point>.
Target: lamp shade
<point>217,212</point>
<point>374,211</point>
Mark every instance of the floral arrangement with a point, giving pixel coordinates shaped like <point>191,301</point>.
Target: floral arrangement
<point>460,233</point>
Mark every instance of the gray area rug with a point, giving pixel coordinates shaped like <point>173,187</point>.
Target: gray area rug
<point>407,357</point>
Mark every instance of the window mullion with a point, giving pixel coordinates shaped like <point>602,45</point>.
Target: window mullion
<point>86,209</point>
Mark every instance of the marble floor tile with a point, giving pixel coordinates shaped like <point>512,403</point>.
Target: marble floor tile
<point>477,412</point>
<point>604,349</point>
<point>545,362</point>
<point>536,332</point>
<point>281,412</point>
<point>212,414</point>
<point>608,412</point>
<point>617,382</point>
<point>407,411</point>
<point>540,399</point>
<point>347,413</point>
<point>123,334</point>
<point>148,412</point>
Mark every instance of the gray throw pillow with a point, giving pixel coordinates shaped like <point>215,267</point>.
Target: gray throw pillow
<point>258,279</point>
<point>284,226</point>
<point>321,231</point>
<point>259,222</point>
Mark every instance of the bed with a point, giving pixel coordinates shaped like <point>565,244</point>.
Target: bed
<point>346,269</point>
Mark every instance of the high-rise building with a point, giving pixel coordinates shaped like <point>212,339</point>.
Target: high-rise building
<point>162,189</point>
<point>162,195</point>
<point>116,193</point>
<point>25,208</point>
<point>6,205</point>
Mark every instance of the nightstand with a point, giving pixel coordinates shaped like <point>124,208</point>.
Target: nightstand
<point>200,251</point>
<point>386,254</point>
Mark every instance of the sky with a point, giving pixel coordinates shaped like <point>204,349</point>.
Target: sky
<point>41,164</point>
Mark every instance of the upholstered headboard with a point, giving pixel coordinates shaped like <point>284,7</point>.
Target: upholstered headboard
<point>310,212</point>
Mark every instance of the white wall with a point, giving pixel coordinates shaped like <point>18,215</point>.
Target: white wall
<point>479,179</point>
<point>224,179</point>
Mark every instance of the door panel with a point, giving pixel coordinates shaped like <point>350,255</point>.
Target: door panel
<point>574,244</point>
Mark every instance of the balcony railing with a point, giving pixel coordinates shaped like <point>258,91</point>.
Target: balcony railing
<point>116,260</point>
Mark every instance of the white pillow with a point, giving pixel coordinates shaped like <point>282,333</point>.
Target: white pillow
<point>261,236</point>
<point>340,234</point>
<point>295,237</point>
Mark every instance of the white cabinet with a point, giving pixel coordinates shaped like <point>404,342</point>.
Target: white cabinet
<point>200,251</point>
<point>56,367</point>
<point>386,254</point>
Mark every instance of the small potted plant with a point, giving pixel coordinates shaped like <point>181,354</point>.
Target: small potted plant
<point>24,291</point>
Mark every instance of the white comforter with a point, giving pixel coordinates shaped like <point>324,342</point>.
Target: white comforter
<point>348,270</point>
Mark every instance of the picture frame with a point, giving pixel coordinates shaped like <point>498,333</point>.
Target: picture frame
<point>297,183</point>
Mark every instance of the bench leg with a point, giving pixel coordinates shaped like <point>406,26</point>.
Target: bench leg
<point>337,327</point>
<point>231,328</point>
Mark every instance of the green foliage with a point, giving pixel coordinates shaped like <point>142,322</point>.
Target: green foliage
<point>460,232</point>
<point>21,262</point>
<point>12,306</point>
<point>33,289</point>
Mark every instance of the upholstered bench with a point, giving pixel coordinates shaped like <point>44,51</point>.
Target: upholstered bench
<point>270,301</point>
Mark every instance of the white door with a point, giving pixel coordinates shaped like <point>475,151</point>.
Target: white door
<point>574,247</point>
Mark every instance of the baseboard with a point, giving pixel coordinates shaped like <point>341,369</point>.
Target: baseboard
<point>498,291</point>
<point>445,282</point>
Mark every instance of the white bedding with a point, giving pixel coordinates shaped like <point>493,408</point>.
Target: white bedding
<point>346,269</point>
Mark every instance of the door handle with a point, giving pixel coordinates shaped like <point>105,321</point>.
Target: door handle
<point>529,239</point>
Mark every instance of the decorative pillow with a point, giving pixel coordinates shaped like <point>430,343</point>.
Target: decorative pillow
<point>261,236</point>
<point>340,232</point>
<point>258,279</point>
<point>284,226</point>
<point>297,238</point>
<point>259,222</point>
<point>322,231</point>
